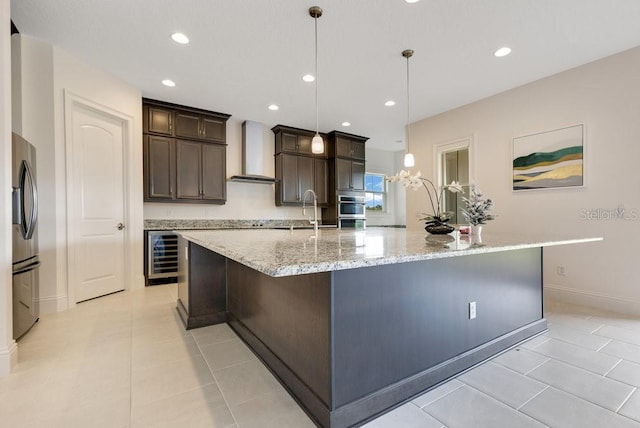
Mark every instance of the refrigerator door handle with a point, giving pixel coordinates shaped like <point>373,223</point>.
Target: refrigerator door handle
<point>27,268</point>
<point>27,175</point>
<point>16,212</point>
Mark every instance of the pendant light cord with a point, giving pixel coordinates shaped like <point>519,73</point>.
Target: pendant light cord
<point>408,122</point>
<point>315,20</point>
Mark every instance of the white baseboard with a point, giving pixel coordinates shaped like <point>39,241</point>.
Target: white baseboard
<point>137,283</point>
<point>592,299</point>
<point>8,358</point>
<point>53,304</point>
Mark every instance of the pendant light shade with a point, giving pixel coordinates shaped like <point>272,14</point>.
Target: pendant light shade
<point>317,144</point>
<point>409,160</point>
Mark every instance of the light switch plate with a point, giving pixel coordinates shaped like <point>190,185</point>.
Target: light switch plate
<point>472,310</point>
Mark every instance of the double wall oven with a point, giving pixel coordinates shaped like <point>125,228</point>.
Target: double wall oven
<point>351,211</point>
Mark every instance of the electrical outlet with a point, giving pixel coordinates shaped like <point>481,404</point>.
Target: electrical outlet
<point>561,270</point>
<point>472,310</point>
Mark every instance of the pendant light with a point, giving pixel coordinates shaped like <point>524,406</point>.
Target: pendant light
<point>317,144</point>
<point>409,160</point>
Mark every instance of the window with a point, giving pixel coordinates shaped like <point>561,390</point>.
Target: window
<point>375,192</point>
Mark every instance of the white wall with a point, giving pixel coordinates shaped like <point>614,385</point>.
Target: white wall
<point>384,162</point>
<point>8,349</point>
<point>602,95</point>
<point>46,72</point>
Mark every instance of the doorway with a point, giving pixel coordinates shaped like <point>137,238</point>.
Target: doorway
<point>454,164</point>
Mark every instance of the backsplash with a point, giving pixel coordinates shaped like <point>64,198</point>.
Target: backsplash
<point>187,224</point>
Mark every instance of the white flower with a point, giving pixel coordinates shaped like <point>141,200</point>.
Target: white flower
<point>454,187</point>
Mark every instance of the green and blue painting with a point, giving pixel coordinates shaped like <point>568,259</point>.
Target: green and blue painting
<point>548,159</point>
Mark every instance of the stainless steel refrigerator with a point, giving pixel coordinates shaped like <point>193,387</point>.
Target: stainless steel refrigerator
<point>25,237</point>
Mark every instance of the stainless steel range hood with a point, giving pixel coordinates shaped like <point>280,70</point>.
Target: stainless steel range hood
<point>252,155</point>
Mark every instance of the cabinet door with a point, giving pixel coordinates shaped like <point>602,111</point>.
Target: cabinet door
<point>214,172</point>
<point>304,144</point>
<point>357,150</point>
<point>343,147</point>
<point>343,174</point>
<point>289,142</point>
<point>159,120</point>
<point>213,129</point>
<point>159,167</point>
<point>187,125</point>
<point>306,178</point>
<point>289,178</point>
<point>357,175</point>
<point>320,175</point>
<point>188,169</point>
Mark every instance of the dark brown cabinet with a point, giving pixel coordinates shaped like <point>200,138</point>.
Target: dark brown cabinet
<point>198,169</point>
<point>158,120</point>
<point>159,167</point>
<point>349,148</point>
<point>297,169</point>
<point>349,174</point>
<point>200,127</point>
<point>191,166</point>
<point>296,175</point>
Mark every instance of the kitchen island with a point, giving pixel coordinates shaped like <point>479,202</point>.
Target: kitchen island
<point>356,322</point>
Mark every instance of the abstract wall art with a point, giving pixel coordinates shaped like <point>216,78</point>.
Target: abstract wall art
<point>549,159</point>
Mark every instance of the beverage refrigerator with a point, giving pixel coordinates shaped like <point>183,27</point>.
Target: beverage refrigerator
<point>25,237</point>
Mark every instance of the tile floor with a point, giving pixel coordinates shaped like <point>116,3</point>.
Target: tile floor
<point>125,361</point>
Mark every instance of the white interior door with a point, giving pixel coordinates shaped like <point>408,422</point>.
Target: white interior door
<point>96,220</point>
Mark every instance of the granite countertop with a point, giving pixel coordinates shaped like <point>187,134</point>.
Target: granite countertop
<point>296,252</point>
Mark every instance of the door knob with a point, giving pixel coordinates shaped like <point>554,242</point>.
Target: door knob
<point>120,226</point>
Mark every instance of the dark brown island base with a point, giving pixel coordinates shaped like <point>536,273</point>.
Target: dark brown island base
<point>354,323</point>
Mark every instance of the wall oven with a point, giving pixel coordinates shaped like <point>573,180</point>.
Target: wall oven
<point>351,211</point>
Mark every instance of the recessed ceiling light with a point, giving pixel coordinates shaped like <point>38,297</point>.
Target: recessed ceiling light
<point>390,103</point>
<point>504,51</point>
<point>273,107</point>
<point>308,78</point>
<point>346,123</point>
<point>412,1</point>
<point>180,38</point>
<point>169,83</point>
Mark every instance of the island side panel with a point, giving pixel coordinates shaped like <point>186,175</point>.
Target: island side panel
<point>286,322</point>
<point>202,289</point>
<point>396,323</point>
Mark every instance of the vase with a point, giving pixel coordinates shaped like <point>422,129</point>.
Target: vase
<point>439,228</point>
<point>476,231</point>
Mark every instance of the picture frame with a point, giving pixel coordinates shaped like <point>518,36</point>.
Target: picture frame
<point>549,160</point>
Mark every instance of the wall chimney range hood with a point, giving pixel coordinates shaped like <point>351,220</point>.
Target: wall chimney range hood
<point>252,155</point>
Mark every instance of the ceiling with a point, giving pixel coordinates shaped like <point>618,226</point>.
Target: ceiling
<point>247,54</point>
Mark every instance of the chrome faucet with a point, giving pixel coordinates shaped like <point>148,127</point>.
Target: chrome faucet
<point>314,222</point>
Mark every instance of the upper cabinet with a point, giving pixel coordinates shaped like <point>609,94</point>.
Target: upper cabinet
<point>200,127</point>
<point>346,146</point>
<point>184,154</point>
<point>295,141</point>
<point>297,168</point>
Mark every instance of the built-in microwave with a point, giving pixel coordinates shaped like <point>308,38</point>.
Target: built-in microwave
<point>351,206</point>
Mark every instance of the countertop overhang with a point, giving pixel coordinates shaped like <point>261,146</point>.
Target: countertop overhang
<point>286,253</point>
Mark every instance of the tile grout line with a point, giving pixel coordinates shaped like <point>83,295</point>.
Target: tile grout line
<point>625,400</point>
<point>215,379</point>
<point>529,400</point>
<point>612,368</point>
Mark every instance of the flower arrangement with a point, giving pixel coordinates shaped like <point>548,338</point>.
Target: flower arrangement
<point>477,209</point>
<point>416,181</point>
